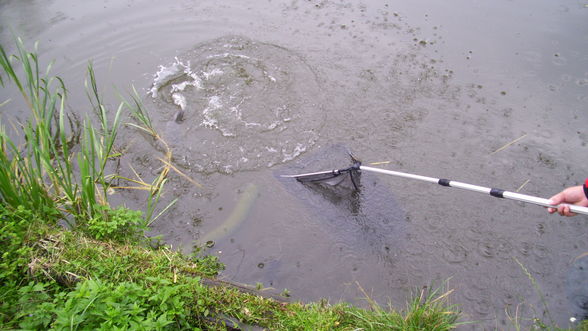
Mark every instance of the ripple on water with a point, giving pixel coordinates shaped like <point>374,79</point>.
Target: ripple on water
<point>577,287</point>
<point>525,248</point>
<point>454,252</point>
<point>541,252</point>
<point>492,247</point>
<point>487,249</point>
<point>234,104</point>
<point>479,301</point>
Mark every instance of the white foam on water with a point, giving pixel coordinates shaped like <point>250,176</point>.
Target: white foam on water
<point>213,72</point>
<point>273,125</point>
<point>208,116</point>
<point>182,86</point>
<point>167,73</point>
<point>214,113</point>
<point>195,82</point>
<point>299,149</point>
<point>225,55</point>
<point>159,77</point>
<point>235,110</point>
<point>272,78</point>
<point>214,102</point>
<point>228,169</point>
<point>164,75</point>
<point>180,100</point>
<point>251,125</point>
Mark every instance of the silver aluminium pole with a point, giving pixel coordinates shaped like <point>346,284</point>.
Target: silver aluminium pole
<point>498,193</point>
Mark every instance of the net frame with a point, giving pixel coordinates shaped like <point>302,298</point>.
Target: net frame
<point>331,177</point>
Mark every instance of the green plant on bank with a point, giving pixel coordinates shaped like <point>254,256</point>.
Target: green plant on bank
<point>64,279</point>
<point>76,282</point>
<point>38,174</point>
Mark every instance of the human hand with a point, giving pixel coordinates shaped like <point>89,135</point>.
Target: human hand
<point>572,195</point>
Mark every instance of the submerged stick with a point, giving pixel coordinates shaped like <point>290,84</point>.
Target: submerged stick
<point>523,185</point>
<point>509,144</point>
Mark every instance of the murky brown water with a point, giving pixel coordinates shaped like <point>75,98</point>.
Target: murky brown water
<point>433,88</point>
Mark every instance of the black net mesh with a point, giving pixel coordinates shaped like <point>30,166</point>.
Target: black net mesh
<point>358,210</point>
<point>349,175</point>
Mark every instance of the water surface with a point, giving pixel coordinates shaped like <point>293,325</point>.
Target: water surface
<point>435,89</point>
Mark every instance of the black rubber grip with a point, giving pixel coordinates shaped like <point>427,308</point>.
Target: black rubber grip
<point>496,192</point>
<point>444,182</point>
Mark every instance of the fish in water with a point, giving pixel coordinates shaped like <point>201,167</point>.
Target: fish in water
<point>179,100</point>
<point>179,117</point>
<point>237,216</point>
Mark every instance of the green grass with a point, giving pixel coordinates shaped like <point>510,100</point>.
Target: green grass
<point>101,272</point>
<point>78,280</point>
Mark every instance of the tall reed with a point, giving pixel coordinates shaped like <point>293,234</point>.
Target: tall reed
<point>34,173</point>
<point>143,124</point>
<point>40,173</point>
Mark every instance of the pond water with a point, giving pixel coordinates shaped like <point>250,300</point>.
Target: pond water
<point>245,91</point>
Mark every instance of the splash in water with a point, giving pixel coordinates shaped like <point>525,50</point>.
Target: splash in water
<point>235,104</point>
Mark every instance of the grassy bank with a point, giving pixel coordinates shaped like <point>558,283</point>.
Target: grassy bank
<point>71,261</point>
<point>66,280</point>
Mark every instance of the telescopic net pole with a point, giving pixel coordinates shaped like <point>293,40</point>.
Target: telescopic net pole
<point>498,193</point>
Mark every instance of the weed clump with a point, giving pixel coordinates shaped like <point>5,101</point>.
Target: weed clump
<point>121,225</point>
